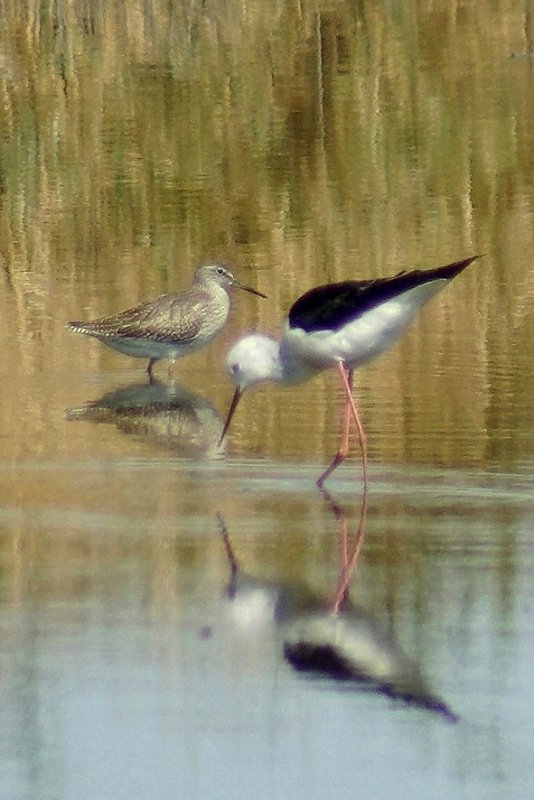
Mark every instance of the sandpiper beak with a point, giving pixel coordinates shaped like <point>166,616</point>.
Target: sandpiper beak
<point>231,411</point>
<point>246,288</point>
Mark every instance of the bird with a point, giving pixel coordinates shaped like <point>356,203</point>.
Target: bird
<point>171,325</point>
<point>341,326</point>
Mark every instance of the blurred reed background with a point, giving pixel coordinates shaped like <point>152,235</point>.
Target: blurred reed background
<point>305,142</point>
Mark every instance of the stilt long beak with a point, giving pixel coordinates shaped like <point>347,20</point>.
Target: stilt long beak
<point>231,411</point>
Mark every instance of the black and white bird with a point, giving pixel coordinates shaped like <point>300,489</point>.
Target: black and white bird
<point>342,326</point>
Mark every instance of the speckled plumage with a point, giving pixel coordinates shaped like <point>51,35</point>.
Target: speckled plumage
<point>171,325</point>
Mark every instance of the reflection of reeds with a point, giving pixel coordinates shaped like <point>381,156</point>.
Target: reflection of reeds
<point>314,141</point>
<point>129,121</point>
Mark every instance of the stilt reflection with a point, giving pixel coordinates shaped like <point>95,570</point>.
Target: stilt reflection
<point>330,638</point>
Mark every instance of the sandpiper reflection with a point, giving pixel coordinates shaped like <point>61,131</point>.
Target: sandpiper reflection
<point>330,638</point>
<point>164,414</point>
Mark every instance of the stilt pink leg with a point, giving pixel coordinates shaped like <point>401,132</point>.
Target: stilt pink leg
<point>350,408</point>
<point>343,448</point>
<point>346,377</point>
<point>341,517</point>
<point>348,564</point>
<point>348,557</point>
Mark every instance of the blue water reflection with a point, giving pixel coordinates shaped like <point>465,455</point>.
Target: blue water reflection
<point>125,671</point>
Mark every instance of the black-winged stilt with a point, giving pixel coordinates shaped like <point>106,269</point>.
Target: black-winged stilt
<point>341,326</point>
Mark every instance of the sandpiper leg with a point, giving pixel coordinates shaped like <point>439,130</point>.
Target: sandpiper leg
<point>149,368</point>
<point>350,408</point>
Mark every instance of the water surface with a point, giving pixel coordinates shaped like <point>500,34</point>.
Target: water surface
<point>305,143</point>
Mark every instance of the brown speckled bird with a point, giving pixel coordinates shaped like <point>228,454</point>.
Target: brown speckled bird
<point>171,325</point>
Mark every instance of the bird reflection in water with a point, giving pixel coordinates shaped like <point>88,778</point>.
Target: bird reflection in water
<point>331,638</point>
<point>162,413</point>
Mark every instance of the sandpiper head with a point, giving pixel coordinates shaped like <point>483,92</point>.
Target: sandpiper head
<point>251,360</point>
<point>216,272</point>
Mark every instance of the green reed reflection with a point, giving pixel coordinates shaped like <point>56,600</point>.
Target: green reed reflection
<point>310,141</point>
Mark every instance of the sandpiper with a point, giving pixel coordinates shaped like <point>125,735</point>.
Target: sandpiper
<point>341,325</point>
<point>171,325</point>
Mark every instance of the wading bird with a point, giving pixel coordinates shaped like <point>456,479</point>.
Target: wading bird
<point>171,325</point>
<point>341,326</point>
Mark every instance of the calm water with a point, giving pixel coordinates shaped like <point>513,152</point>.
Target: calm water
<point>304,144</point>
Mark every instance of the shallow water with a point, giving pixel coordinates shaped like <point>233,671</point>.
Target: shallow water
<point>305,145</point>
<point>128,669</point>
